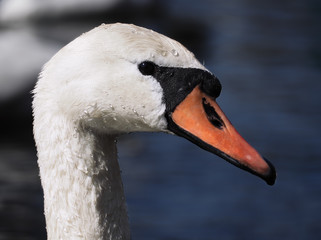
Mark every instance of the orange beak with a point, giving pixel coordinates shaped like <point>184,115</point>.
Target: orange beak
<point>199,119</point>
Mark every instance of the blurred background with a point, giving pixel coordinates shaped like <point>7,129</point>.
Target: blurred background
<point>267,55</point>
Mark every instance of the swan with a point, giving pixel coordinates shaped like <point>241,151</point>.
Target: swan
<point>112,80</point>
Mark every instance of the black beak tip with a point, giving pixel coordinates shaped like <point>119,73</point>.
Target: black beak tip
<point>271,177</point>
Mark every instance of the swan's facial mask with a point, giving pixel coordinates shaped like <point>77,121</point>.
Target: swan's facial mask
<point>192,112</point>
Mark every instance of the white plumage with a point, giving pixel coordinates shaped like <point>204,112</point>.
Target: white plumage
<point>87,94</point>
<point>112,80</point>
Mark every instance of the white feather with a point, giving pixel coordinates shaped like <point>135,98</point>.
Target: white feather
<point>87,94</point>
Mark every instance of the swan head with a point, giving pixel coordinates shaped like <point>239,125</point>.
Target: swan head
<point>122,78</point>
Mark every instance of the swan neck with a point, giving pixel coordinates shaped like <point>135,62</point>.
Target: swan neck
<point>83,190</point>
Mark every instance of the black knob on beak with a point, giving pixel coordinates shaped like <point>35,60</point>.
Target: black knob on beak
<point>211,86</point>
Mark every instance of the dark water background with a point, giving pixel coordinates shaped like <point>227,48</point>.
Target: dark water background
<point>267,55</point>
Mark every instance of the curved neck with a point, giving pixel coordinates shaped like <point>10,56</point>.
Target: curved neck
<point>83,191</point>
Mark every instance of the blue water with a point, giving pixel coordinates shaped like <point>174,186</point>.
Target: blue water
<point>267,56</point>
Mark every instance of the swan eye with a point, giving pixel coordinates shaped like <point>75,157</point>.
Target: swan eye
<point>147,68</point>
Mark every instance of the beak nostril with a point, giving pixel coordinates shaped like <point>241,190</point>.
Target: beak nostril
<point>212,115</point>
